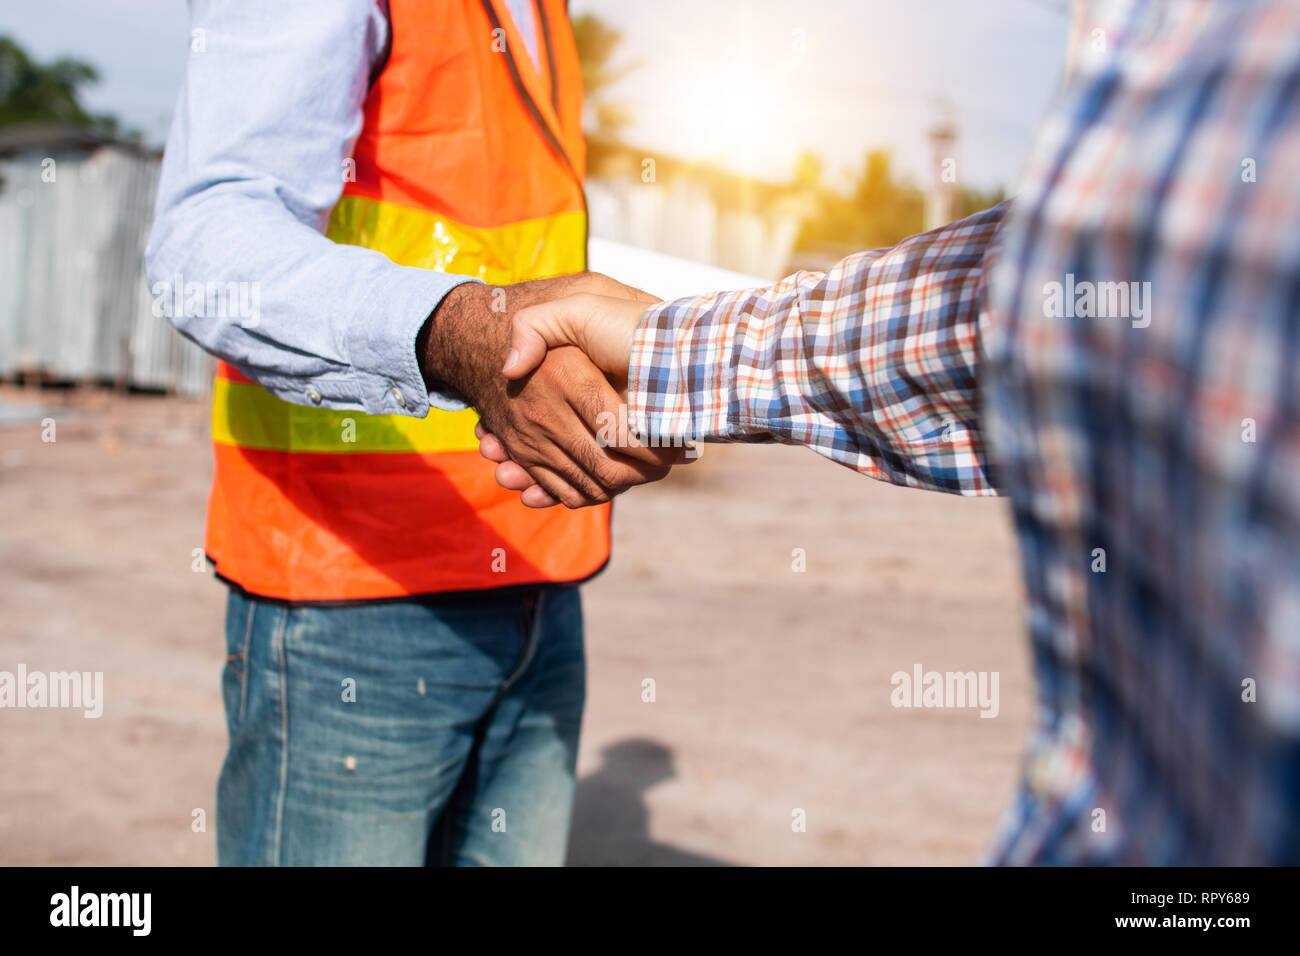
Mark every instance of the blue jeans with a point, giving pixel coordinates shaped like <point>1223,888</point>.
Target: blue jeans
<point>408,733</point>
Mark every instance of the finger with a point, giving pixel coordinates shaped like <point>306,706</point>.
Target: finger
<point>535,329</point>
<point>536,497</point>
<point>533,495</point>
<point>632,471</point>
<point>647,457</point>
<point>573,488</point>
<point>602,326</point>
<point>490,447</point>
<point>639,449</point>
<point>511,476</point>
<point>577,470</point>
<point>601,408</point>
<point>555,468</point>
<point>615,472</point>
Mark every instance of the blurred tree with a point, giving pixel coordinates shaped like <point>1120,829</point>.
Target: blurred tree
<point>808,170</point>
<point>32,92</point>
<point>597,43</point>
<point>971,201</point>
<point>878,209</point>
<point>891,209</point>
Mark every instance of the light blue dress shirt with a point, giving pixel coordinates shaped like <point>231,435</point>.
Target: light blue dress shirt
<point>267,116</point>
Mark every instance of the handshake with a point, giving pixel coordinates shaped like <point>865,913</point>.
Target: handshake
<point>546,363</point>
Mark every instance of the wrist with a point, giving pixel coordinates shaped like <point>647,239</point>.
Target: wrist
<point>463,342</point>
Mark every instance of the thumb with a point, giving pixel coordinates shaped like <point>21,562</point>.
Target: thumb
<point>533,330</point>
<point>601,326</point>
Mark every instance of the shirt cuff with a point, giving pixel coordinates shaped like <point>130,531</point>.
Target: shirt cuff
<point>681,370</point>
<point>381,344</point>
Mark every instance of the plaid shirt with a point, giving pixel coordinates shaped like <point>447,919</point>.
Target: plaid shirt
<point>1147,434</point>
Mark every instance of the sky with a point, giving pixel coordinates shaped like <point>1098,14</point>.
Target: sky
<point>748,84</point>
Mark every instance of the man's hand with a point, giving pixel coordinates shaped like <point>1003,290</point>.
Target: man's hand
<point>602,326</point>
<point>545,423</point>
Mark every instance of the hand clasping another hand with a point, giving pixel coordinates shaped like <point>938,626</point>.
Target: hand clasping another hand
<point>601,326</point>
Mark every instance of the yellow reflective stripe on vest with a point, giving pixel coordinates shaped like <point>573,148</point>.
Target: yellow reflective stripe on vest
<point>532,249</point>
<point>251,417</point>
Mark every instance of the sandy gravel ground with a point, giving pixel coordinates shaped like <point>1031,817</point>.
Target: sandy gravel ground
<point>772,685</point>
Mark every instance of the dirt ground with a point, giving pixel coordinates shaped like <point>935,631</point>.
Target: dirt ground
<point>772,685</point>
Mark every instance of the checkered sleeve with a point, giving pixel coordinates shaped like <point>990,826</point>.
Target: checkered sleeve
<point>873,364</point>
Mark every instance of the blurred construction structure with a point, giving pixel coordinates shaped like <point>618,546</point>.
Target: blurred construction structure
<point>693,211</point>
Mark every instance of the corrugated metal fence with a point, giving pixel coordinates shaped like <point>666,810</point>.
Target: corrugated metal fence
<point>74,304</point>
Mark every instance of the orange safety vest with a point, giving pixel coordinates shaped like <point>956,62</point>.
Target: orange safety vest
<point>470,160</point>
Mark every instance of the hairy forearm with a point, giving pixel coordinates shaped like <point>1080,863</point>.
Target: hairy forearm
<point>463,343</point>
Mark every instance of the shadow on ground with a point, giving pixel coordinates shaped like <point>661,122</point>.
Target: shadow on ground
<point>611,822</point>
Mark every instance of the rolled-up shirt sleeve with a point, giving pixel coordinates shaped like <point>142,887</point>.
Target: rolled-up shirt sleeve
<point>255,160</point>
<point>873,364</point>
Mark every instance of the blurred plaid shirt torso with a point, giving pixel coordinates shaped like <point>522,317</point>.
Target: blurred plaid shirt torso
<point>1147,434</point>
